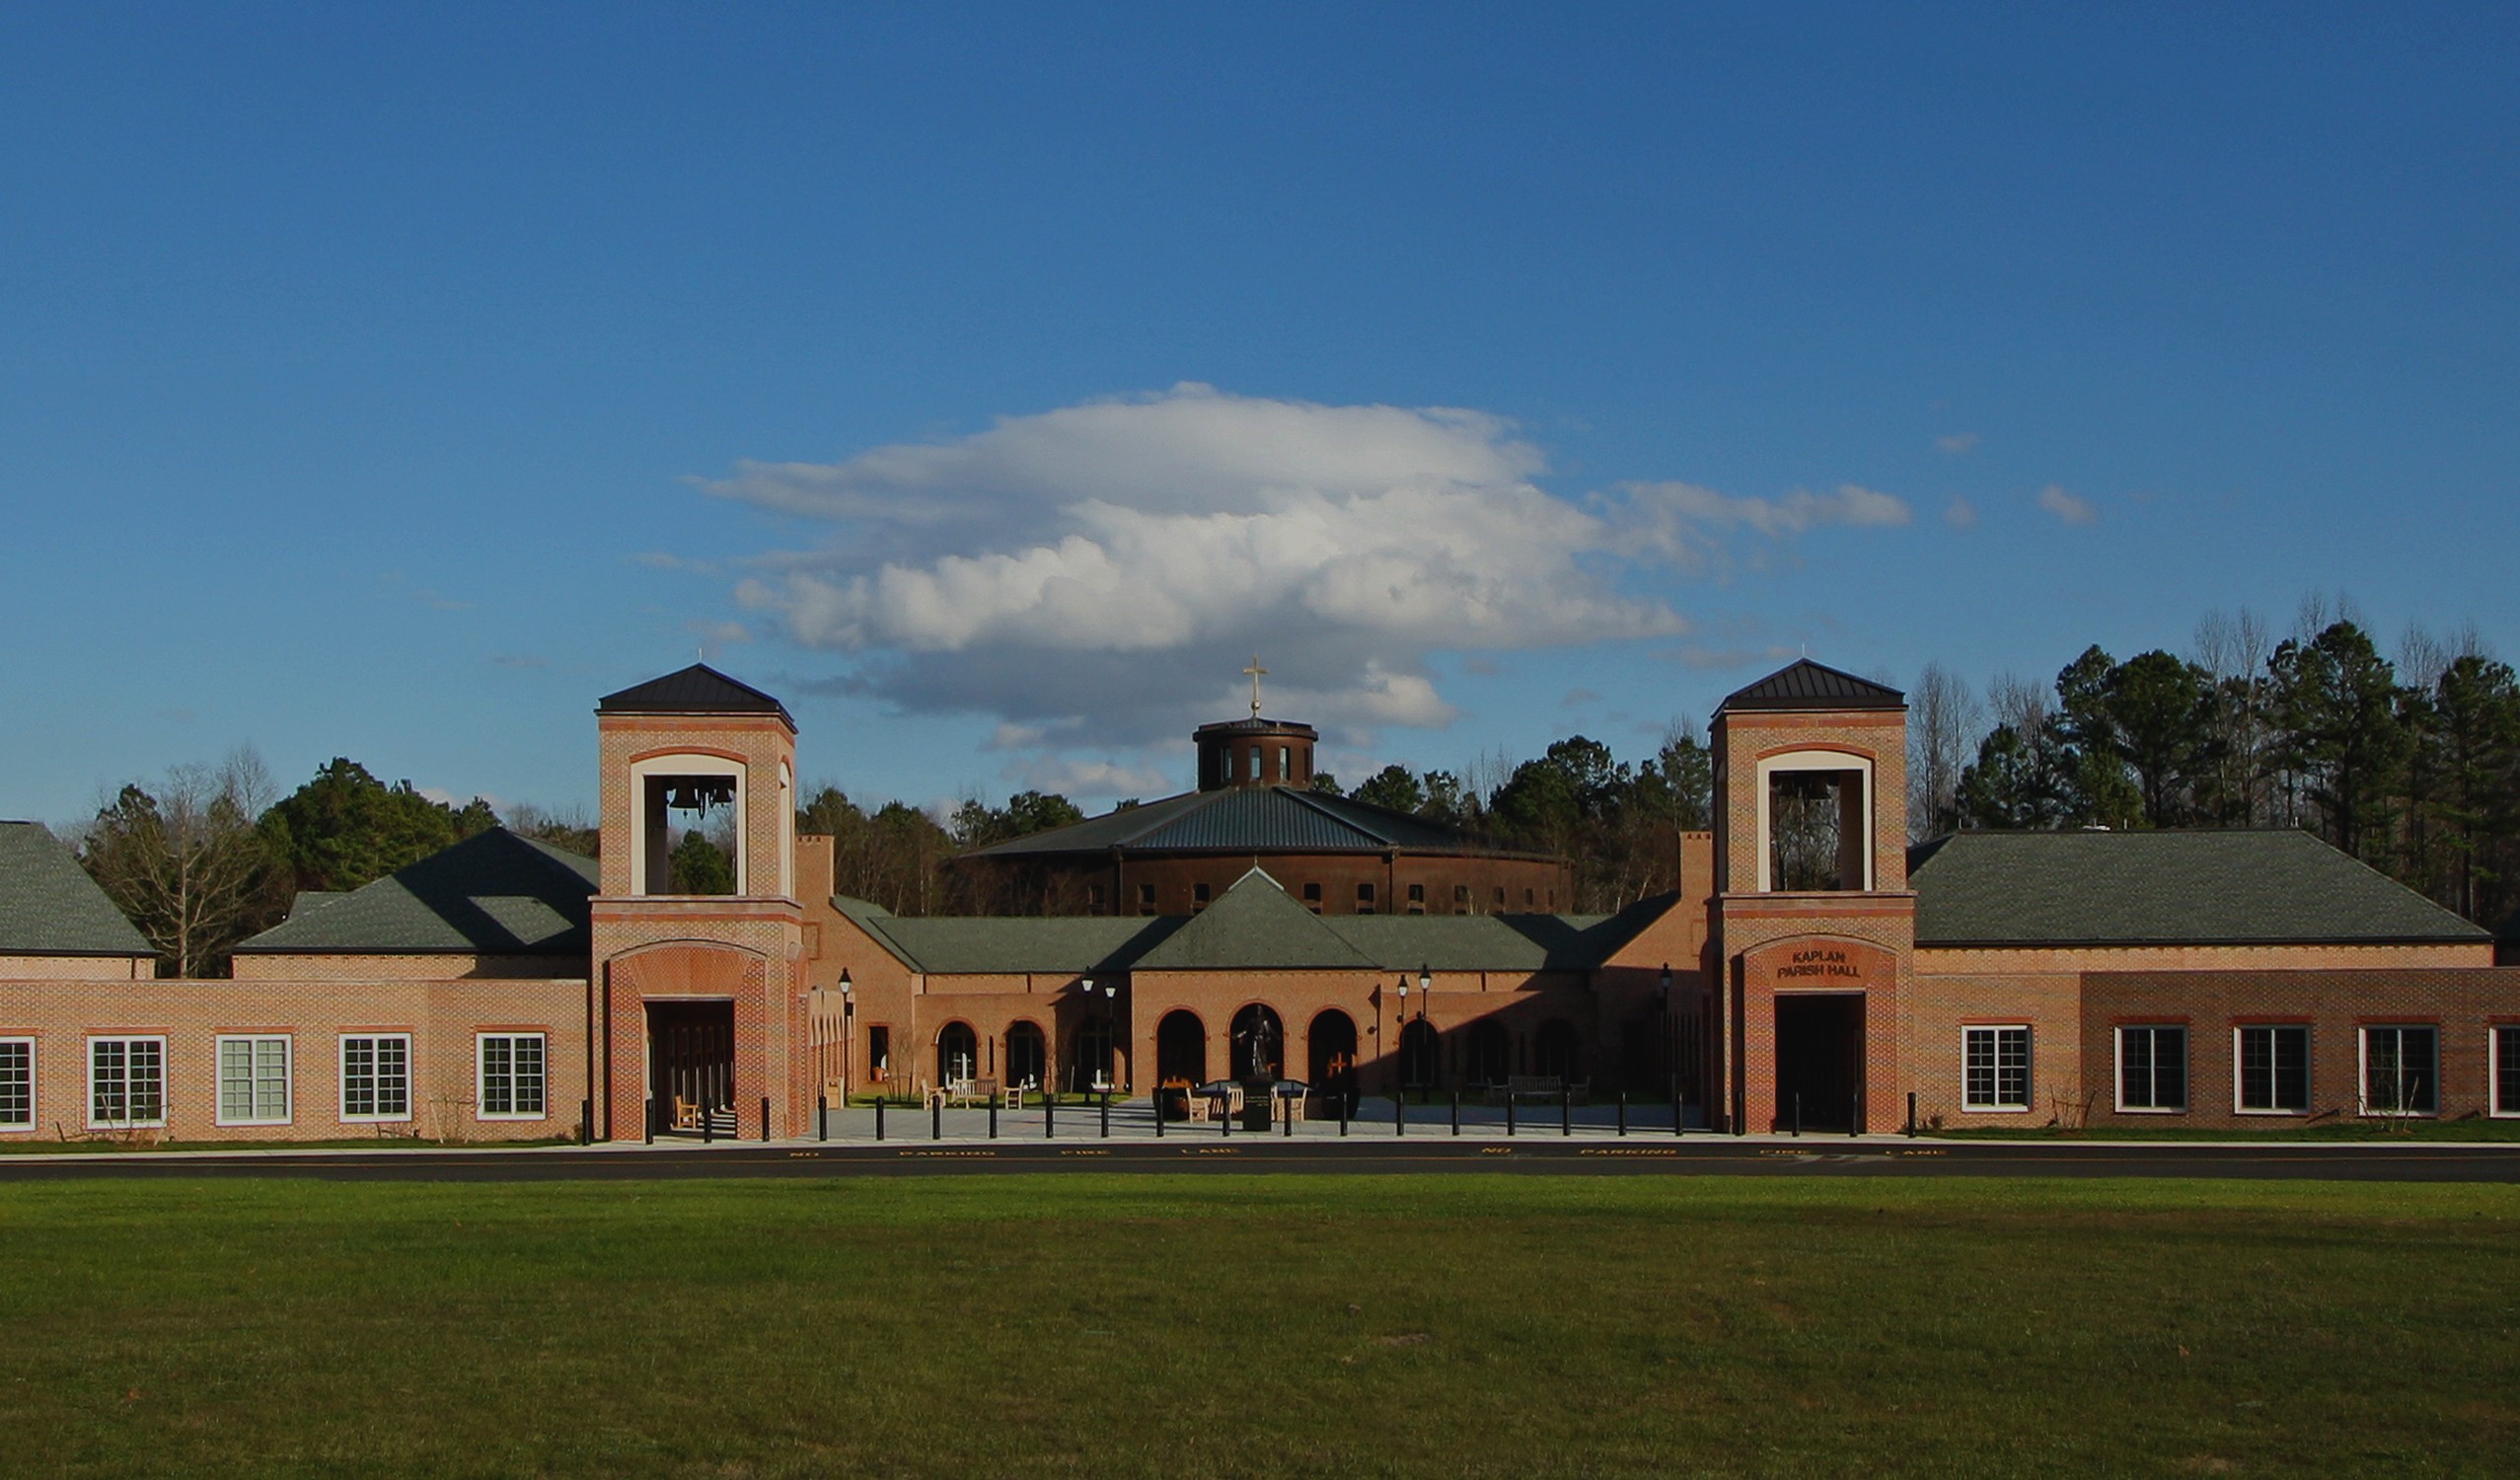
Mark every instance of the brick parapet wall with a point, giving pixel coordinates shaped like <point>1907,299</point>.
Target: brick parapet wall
<point>78,969</point>
<point>280,966</point>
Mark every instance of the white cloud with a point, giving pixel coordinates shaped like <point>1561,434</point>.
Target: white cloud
<point>1959,442</point>
<point>1097,575</point>
<point>2066,506</point>
<point>1960,514</point>
<point>1095,780</point>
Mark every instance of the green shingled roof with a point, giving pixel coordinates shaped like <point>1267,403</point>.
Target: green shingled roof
<point>2170,888</point>
<point>1254,927</point>
<point>1249,819</point>
<point>491,894</point>
<point>49,907</point>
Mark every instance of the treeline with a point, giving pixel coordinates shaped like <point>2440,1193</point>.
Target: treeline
<point>2411,764</point>
<point>208,855</point>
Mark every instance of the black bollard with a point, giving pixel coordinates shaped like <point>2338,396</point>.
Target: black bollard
<point>1343,1114</point>
<point>879,1117</point>
<point>1400,1113</point>
<point>1287,1109</point>
<point>1855,1116</point>
<point>1456,1112</point>
<point>993,1117</point>
<point>822,1118</point>
<point>1224,1115</point>
<point>1106,1115</point>
<point>647,1125</point>
<point>1623,1112</point>
<point>1049,1116</point>
<point>935,1117</point>
<point>1911,1112</point>
<point>585,1122</point>
<point>707,1125</point>
<point>764,1117</point>
<point>1677,1117</point>
<point>1508,1112</point>
<point>1798,1112</point>
<point>1163,1104</point>
<point>1566,1109</point>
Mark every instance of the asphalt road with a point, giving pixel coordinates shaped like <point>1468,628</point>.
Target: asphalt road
<point>1697,1155</point>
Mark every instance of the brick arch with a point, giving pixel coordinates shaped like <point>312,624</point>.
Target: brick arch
<point>691,968</point>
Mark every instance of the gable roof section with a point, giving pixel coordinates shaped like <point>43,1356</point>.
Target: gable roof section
<point>493,894</point>
<point>1495,942</point>
<point>696,689</point>
<point>1806,685</point>
<point>2170,888</point>
<point>51,907</point>
<point>981,945</point>
<point>1253,819</point>
<point>1255,926</point>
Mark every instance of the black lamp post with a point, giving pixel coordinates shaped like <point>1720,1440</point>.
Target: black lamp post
<point>848,1025</point>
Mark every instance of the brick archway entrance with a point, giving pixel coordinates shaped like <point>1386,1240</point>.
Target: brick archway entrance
<point>1819,1060</point>
<point>690,1065</point>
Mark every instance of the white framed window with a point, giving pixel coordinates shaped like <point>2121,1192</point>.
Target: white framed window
<point>1995,1068</point>
<point>2505,1046</point>
<point>2152,1069</point>
<point>511,1076</point>
<point>126,1082</point>
<point>2270,1068</point>
<point>254,1080</point>
<point>376,1077</point>
<point>2401,1069</point>
<point>17,1083</point>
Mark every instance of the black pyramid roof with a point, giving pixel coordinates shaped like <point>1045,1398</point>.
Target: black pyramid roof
<point>696,689</point>
<point>1806,685</point>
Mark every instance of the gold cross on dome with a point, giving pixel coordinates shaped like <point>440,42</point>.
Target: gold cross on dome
<point>1255,670</point>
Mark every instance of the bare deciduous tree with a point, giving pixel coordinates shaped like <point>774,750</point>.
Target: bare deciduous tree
<point>185,862</point>
<point>1942,720</point>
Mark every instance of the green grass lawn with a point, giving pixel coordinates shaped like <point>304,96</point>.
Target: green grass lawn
<point>1508,1325</point>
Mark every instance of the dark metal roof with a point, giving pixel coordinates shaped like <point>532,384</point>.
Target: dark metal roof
<point>2169,888</point>
<point>1255,725</point>
<point>51,907</point>
<point>491,894</point>
<point>696,689</point>
<point>1255,820</point>
<point>1254,927</point>
<point>1806,685</point>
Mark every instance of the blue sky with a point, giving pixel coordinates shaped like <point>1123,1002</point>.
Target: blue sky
<point>992,381</point>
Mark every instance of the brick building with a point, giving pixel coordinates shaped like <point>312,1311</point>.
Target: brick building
<point>1813,969</point>
<point>1255,808</point>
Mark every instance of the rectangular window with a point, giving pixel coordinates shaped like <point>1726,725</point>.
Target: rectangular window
<point>376,1077</point>
<point>126,1082</point>
<point>511,1076</point>
<point>1461,899</point>
<point>1312,898</point>
<point>1416,899</point>
<point>1500,898</point>
<point>1365,899</point>
<point>2401,1071</point>
<point>2152,1069</point>
<point>1146,899</point>
<point>2506,1070</point>
<point>879,1051</point>
<point>17,1083</point>
<point>253,1082</point>
<point>2273,1069</point>
<point>1995,1069</point>
<point>1197,898</point>
<point>1286,762</point>
<point>1093,897</point>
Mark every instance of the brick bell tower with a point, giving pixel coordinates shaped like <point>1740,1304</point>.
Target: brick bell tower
<point>700,994</point>
<point>1814,924</point>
